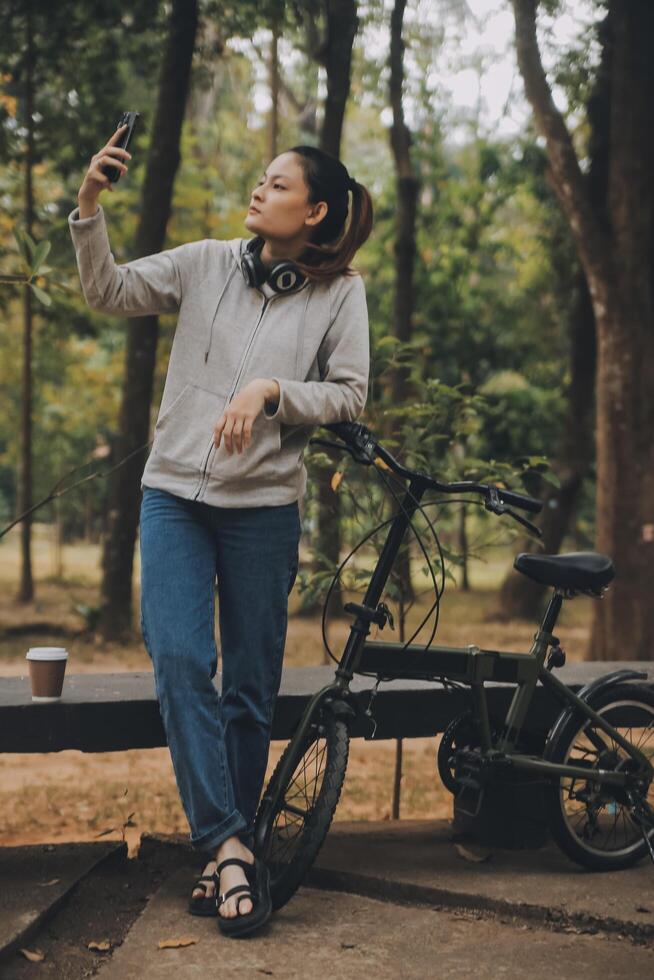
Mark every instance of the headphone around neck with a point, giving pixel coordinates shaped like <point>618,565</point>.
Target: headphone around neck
<point>283,275</point>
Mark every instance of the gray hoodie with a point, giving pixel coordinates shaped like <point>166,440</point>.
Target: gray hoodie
<point>314,342</point>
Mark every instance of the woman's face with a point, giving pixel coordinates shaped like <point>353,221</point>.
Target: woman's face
<point>280,198</point>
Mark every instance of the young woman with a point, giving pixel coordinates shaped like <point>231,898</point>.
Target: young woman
<point>271,340</point>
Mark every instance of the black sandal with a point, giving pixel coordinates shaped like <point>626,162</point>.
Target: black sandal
<point>204,904</point>
<point>257,890</point>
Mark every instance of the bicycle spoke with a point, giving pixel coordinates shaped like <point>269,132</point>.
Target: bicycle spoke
<point>599,820</point>
<point>298,803</point>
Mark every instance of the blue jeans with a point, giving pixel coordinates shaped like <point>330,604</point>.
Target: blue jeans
<point>218,742</point>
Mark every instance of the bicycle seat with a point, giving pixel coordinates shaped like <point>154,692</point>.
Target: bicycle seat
<point>581,571</point>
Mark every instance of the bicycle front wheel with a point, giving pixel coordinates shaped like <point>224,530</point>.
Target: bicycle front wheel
<point>296,810</point>
<point>590,820</point>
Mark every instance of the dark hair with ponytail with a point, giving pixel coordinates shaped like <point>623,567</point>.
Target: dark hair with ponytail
<point>333,244</point>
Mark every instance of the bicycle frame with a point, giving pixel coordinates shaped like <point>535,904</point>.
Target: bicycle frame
<point>471,665</point>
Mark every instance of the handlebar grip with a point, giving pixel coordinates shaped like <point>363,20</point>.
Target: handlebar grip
<point>520,500</point>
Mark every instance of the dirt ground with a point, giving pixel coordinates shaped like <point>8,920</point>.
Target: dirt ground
<point>78,796</point>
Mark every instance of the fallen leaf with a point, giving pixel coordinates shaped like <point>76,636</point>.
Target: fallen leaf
<point>176,943</point>
<point>336,479</point>
<point>103,945</point>
<point>34,956</point>
<point>467,855</point>
<point>132,837</point>
<point>53,881</point>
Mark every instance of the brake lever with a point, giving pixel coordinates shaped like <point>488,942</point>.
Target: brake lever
<point>497,506</point>
<point>525,523</point>
<point>341,445</point>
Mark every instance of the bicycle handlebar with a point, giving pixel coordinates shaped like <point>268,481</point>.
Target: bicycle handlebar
<point>363,447</point>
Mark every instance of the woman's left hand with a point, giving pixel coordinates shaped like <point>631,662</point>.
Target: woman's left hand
<point>235,424</point>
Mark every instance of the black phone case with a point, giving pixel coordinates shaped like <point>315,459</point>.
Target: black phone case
<point>113,173</point>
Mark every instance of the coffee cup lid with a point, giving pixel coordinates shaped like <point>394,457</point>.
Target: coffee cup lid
<point>47,653</point>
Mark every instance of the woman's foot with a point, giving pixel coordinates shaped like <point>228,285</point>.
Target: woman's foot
<point>229,878</point>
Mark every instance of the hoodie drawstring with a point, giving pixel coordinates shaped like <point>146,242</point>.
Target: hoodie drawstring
<point>301,332</point>
<point>229,279</point>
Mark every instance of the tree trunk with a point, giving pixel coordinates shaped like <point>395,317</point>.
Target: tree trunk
<point>618,261</point>
<point>336,56</point>
<point>273,74</point>
<point>26,589</point>
<point>463,548</point>
<point>521,597</point>
<point>115,621</point>
<point>58,541</point>
<point>342,25</point>
<point>405,245</point>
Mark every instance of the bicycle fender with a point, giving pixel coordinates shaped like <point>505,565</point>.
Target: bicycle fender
<point>340,707</point>
<point>586,693</point>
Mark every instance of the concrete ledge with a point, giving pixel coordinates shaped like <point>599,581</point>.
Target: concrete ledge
<point>394,900</point>
<point>416,862</point>
<point>346,937</point>
<point>36,881</point>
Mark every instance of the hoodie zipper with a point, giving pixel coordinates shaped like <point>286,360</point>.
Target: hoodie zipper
<point>266,301</point>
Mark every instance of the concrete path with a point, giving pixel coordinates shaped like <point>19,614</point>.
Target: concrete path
<point>346,937</point>
<point>36,881</point>
<point>418,861</point>
<point>394,900</point>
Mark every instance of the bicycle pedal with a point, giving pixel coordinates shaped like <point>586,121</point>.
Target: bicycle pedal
<point>470,782</point>
<point>469,800</point>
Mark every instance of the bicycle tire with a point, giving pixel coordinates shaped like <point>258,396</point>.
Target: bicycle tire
<point>290,854</point>
<point>566,825</point>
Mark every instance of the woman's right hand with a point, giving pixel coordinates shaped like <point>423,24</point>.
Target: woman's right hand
<point>95,180</point>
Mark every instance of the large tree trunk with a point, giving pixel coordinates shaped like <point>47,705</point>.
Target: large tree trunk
<point>405,252</point>
<point>26,589</point>
<point>335,54</point>
<point>163,160</point>
<point>520,596</point>
<point>618,262</point>
<point>403,305</point>
<point>342,25</point>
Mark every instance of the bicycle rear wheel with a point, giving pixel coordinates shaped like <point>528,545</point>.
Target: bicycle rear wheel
<point>296,811</point>
<point>592,821</point>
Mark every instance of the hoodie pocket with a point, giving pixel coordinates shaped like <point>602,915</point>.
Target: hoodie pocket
<point>184,433</point>
<point>260,458</point>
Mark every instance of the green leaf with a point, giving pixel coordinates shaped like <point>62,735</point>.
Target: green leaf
<point>41,294</point>
<point>551,478</point>
<point>23,248</point>
<point>40,254</point>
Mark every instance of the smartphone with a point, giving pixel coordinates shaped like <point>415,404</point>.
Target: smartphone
<point>113,173</point>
